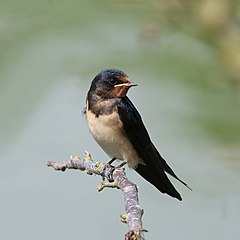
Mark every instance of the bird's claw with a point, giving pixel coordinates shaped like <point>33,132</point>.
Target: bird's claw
<point>108,172</point>
<point>109,169</point>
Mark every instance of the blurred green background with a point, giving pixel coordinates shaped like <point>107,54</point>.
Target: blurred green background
<point>185,57</point>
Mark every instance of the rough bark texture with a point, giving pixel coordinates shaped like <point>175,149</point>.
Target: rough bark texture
<point>116,178</point>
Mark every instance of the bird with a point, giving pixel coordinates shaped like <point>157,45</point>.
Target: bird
<point>118,128</point>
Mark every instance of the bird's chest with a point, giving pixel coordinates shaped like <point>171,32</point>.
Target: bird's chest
<point>104,127</point>
<point>108,132</point>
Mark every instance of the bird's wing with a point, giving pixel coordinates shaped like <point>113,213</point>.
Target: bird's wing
<point>137,134</point>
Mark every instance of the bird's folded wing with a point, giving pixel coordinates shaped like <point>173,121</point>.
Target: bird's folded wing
<point>137,134</point>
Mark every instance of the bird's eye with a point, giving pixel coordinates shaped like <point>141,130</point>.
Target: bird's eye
<point>112,81</point>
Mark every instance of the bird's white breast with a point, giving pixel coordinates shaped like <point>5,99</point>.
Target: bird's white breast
<point>107,131</point>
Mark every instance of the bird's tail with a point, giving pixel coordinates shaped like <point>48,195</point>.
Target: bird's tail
<point>161,182</point>
<point>172,173</point>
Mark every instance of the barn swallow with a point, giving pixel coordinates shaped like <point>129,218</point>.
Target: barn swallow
<point>117,127</point>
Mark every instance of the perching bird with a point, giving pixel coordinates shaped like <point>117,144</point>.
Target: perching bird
<point>118,128</point>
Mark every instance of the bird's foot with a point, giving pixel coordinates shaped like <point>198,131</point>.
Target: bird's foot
<point>108,171</point>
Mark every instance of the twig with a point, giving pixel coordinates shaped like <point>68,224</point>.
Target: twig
<point>116,178</point>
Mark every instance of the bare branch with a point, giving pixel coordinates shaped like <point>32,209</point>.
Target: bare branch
<point>116,178</point>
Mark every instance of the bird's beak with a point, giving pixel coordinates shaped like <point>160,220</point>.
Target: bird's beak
<point>127,84</point>
<point>121,89</point>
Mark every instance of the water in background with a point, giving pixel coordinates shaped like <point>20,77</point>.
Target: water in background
<point>50,51</point>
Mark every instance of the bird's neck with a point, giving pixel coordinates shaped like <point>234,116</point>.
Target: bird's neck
<point>101,106</point>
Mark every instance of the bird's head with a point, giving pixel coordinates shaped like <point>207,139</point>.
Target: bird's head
<point>111,83</point>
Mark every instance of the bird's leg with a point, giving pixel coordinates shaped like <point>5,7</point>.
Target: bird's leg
<point>122,164</point>
<point>108,171</point>
<point>111,161</point>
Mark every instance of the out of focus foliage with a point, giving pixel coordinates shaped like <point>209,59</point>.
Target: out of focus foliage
<point>217,22</point>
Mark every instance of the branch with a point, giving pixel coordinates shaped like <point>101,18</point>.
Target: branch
<point>116,178</point>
